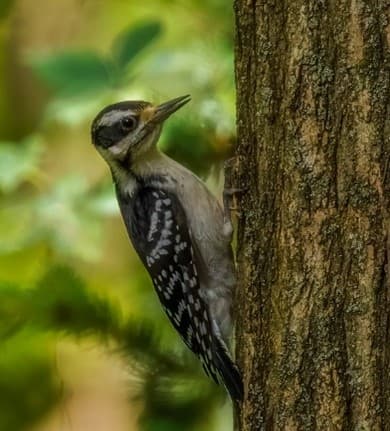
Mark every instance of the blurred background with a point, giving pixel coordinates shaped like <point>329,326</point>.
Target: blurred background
<point>84,343</point>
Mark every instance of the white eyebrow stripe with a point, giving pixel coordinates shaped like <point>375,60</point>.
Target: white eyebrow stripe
<point>113,117</point>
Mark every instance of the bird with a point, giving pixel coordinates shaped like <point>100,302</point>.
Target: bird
<point>180,231</point>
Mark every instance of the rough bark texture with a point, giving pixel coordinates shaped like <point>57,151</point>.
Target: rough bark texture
<point>313,305</point>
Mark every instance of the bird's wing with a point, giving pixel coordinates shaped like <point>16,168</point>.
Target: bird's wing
<point>158,229</point>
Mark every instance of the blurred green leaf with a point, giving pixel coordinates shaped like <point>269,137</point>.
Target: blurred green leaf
<point>168,400</point>
<point>67,217</point>
<point>11,309</point>
<point>190,145</point>
<point>28,254</point>
<point>72,225</point>
<point>102,201</point>
<point>72,73</point>
<point>27,386</point>
<point>61,302</point>
<point>156,424</point>
<point>15,227</point>
<point>18,162</point>
<point>134,40</point>
<point>5,6</point>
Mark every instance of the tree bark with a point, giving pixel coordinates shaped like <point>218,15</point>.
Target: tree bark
<point>313,303</point>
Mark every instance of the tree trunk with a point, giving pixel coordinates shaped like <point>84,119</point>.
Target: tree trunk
<point>313,304</point>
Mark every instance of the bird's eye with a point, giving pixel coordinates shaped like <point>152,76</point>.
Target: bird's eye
<point>128,124</point>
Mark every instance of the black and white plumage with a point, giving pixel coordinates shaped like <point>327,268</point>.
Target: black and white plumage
<point>178,230</point>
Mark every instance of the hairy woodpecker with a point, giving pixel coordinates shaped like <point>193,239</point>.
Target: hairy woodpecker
<point>178,229</point>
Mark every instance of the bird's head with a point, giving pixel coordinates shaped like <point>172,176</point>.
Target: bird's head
<point>124,131</point>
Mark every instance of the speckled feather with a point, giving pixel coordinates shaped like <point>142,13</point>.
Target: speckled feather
<point>157,227</point>
<point>165,252</point>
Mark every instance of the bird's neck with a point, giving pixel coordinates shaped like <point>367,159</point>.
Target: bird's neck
<point>145,162</point>
<point>130,176</point>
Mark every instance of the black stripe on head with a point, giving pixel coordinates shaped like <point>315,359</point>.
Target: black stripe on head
<point>107,135</point>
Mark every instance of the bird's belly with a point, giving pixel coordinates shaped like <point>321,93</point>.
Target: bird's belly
<point>215,260</point>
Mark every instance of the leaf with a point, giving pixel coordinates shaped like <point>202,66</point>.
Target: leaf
<point>5,7</point>
<point>134,40</point>
<point>64,212</point>
<point>15,228</point>
<point>102,201</point>
<point>27,384</point>
<point>18,162</point>
<point>62,302</point>
<point>161,424</point>
<point>72,73</point>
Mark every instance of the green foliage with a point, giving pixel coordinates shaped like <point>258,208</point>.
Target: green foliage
<point>61,303</point>
<point>27,380</point>
<point>187,143</point>
<point>5,7</point>
<point>76,73</point>
<point>66,268</point>
<point>208,135</point>
<point>18,162</point>
<point>171,404</point>
<point>72,73</point>
<point>133,41</point>
<point>69,215</point>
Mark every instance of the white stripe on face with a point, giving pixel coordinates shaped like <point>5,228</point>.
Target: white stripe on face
<point>113,117</point>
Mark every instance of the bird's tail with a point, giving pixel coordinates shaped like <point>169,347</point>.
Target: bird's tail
<point>228,370</point>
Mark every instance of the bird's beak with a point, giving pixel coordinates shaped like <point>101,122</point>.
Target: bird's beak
<point>166,109</point>
<point>160,114</point>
